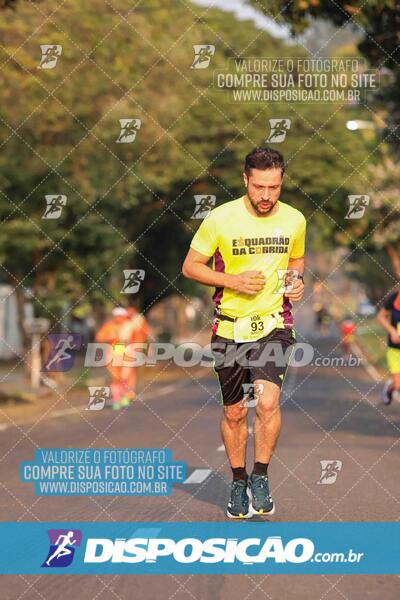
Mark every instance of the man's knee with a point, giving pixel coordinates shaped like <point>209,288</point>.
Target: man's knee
<point>268,407</point>
<point>235,414</point>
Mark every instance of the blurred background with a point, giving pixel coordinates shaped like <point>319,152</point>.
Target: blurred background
<point>130,206</point>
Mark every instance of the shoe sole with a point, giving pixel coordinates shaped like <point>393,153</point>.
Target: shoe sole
<point>261,512</point>
<point>231,516</point>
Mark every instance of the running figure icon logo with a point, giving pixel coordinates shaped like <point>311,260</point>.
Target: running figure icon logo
<point>129,129</point>
<point>98,395</point>
<point>54,205</point>
<point>50,55</point>
<point>62,547</point>
<point>357,206</point>
<point>62,351</point>
<point>202,55</point>
<point>204,204</point>
<point>329,471</point>
<point>278,130</point>
<point>133,280</point>
<point>251,394</point>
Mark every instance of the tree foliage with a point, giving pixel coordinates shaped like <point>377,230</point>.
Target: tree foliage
<point>130,205</point>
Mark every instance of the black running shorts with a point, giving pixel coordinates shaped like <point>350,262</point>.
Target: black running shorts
<point>239,363</point>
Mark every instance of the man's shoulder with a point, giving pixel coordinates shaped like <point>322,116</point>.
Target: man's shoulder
<point>291,212</point>
<point>227,208</point>
<point>390,300</point>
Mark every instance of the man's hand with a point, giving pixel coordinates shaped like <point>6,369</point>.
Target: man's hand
<point>394,336</point>
<point>297,290</point>
<point>248,282</point>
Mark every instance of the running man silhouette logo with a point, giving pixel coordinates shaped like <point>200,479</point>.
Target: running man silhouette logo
<point>278,130</point>
<point>357,206</point>
<point>204,205</point>
<point>286,279</point>
<point>251,394</point>
<point>98,395</point>
<point>129,129</point>
<point>329,471</point>
<point>133,281</point>
<point>62,547</point>
<point>202,56</point>
<point>62,351</point>
<point>50,55</point>
<point>54,206</point>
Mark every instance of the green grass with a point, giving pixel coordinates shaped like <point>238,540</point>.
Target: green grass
<point>371,337</point>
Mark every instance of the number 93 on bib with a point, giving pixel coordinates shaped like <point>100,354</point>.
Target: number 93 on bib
<point>254,327</point>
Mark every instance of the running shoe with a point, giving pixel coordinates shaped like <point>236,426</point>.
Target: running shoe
<point>387,393</point>
<point>238,505</point>
<point>261,501</point>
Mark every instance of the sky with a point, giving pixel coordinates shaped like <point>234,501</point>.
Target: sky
<point>243,11</point>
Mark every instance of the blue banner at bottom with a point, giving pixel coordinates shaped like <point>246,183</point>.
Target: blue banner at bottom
<point>201,547</point>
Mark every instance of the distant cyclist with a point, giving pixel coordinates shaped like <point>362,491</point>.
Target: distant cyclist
<point>253,240</point>
<point>389,317</point>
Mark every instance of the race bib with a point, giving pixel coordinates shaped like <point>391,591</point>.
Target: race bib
<point>254,327</point>
<point>398,327</point>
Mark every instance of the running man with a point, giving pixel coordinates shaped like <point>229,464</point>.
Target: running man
<point>389,317</point>
<point>62,544</point>
<point>251,239</point>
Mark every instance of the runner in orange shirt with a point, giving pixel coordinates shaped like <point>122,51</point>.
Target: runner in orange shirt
<point>127,326</point>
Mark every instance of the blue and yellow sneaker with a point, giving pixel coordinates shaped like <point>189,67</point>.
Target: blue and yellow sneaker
<point>238,505</point>
<point>261,501</point>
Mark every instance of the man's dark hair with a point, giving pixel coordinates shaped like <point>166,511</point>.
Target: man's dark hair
<point>264,158</point>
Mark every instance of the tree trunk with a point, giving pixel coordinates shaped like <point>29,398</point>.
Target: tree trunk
<point>394,255</point>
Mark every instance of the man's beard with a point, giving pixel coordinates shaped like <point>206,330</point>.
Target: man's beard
<point>256,205</point>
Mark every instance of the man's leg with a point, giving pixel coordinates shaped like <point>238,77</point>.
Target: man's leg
<point>234,433</point>
<point>266,429</point>
<point>267,422</point>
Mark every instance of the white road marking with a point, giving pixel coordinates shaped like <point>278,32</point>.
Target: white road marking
<point>198,476</point>
<point>371,370</point>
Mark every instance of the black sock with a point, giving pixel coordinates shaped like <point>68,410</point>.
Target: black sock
<point>239,473</point>
<point>260,468</point>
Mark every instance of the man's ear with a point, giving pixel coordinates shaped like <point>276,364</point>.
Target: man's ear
<point>245,179</point>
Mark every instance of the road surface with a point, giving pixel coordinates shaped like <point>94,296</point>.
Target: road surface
<point>329,413</point>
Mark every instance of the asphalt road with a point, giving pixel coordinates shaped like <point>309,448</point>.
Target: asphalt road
<point>329,413</point>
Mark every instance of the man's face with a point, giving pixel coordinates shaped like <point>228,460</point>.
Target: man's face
<point>263,189</point>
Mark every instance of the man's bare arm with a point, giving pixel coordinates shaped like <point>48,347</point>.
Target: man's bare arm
<point>383,318</point>
<point>195,267</point>
<point>296,264</point>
